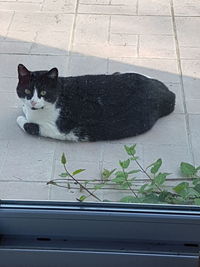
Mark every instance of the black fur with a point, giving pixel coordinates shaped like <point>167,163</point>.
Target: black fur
<point>31,128</point>
<point>104,107</point>
<point>38,79</point>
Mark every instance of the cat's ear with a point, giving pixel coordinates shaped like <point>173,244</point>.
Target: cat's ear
<point>23,71</point>
<point>53,73</point>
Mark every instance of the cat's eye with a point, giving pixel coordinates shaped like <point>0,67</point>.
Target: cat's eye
<point>43,93</point>
<point>27,91</point>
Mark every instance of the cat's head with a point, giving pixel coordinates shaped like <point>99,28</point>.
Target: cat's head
<point>38,88</point>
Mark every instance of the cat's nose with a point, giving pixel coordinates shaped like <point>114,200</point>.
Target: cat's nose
<point>33,103</point>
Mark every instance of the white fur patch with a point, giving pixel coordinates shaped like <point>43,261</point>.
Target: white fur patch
<point>21,120</point>
<point>39,102</point>
<point>35,97</point>
<point>46,119</point>
<point>72,137</point>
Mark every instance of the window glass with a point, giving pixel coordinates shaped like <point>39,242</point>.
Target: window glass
<point>112,137</point>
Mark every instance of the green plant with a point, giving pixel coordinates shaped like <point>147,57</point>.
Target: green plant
<point>155,189</point>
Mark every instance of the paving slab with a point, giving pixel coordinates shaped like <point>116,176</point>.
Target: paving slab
<point>186,8</point>
<point>154,7</point>
<point>19,6</point>
<point>87,27</point>
<point>6,18</point>
<point>125,7</point>
<point>61,6</point>
<point>194,122</point>
<point>24,191</point>
<point>141,25</point>
<point>157,46</point>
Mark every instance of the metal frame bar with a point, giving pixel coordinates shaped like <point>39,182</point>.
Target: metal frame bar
<point>41,233</point>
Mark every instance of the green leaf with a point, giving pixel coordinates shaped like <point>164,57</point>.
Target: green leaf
<point>82,198</point>
<point>124,164</point>
<point>128,199</point>
<point>197,201</point>
<point>160,178</point>
<point>182,189</point>
<point>106,174</point>
<point>198,168</point>
<point>185,191</point>
<point>142,188</point>
<point>130,150</point>
<point>121,174</point>
<point>196,181</point>
<point>156,166</point>
<point>134,171</point>
<point>187,169</point>
<point>197,188</point>
<point>165,196</point>
<point>147,188</point>
<point>151,198</point>
<point>125,185</point>
<point>118,180</point>
<point>78,171</point>
<point>179,200</point>
<point>191,192</point>
<point>63,159</point>
<point>64,174</point>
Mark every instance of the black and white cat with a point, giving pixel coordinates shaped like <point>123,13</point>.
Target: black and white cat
<point>90,107</point>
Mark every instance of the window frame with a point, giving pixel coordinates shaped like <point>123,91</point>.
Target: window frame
<point>170,232</point>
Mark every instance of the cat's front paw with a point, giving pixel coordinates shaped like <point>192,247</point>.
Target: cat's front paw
<point>21,120</point>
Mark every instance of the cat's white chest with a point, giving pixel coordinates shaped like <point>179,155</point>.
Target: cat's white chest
<point>48,115</point>
<point>46,119</point>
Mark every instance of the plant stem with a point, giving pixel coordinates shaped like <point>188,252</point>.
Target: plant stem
<point>81,184</point>
<point>143,170</point>
<point>61,186</point>
<point>129,185</point>
<point>59,179</point>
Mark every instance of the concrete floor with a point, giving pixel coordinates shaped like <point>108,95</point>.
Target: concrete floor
<point>159,38</point>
